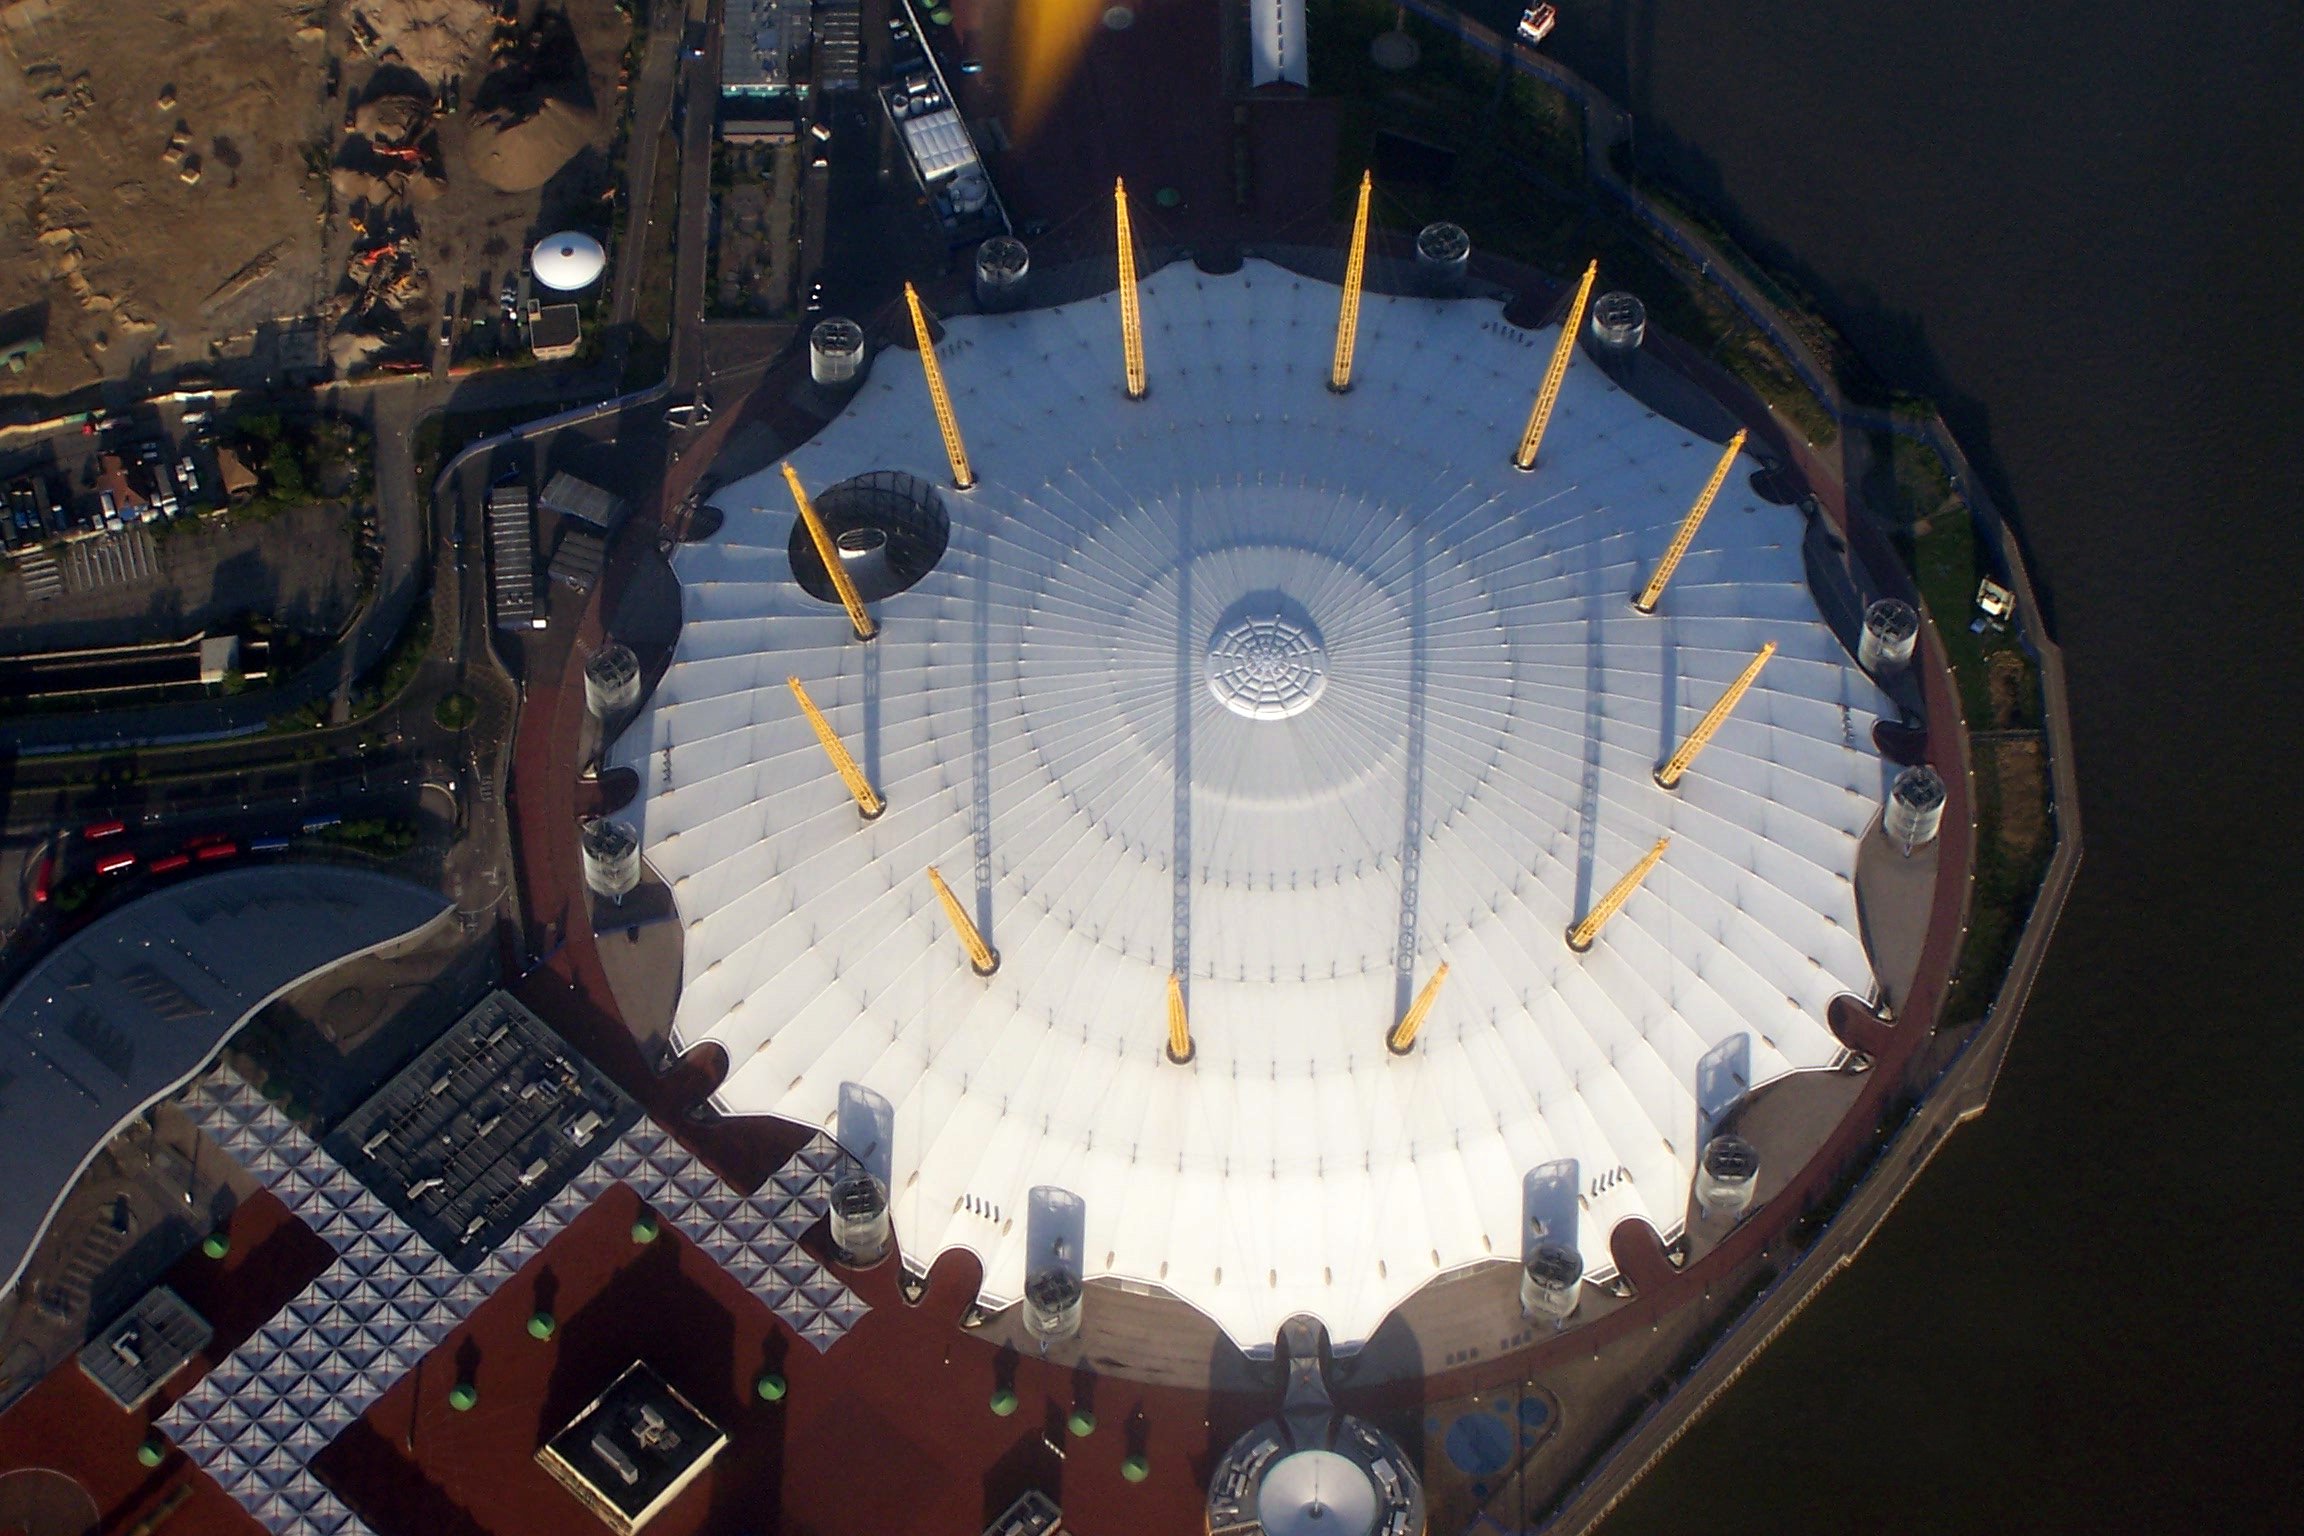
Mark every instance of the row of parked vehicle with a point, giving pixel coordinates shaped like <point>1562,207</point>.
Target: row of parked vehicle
<point>143,480</point>
<point>114,858</point>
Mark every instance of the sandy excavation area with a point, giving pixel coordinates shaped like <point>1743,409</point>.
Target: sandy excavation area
<point>179,178</point>
<point>156,186</point>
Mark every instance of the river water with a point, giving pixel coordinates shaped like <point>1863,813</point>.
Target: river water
<point>2078,227</point>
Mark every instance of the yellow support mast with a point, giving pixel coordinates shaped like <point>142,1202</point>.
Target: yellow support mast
<point>821,537</point>
<point>1581,936</point>
<point>982,957</point>
<point>1403,1037</point>
<point>1549,395</point>
<point>868,800</point>
<point>1668,776</point>
<point>1179,1027</point>
<point>1650,594</point>
<point>1131,316</point>
<point>1355,272</point>
<point>946,422</point>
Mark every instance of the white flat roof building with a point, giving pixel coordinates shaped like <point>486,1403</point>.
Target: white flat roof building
<point>1297,695</point>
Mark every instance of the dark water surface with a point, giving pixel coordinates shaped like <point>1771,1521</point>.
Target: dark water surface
<point>2079,228</point>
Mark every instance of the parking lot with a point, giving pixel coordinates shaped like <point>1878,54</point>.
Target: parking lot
<point>297,568</point>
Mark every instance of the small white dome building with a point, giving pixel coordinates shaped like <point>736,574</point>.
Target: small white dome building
<point>568,261</point>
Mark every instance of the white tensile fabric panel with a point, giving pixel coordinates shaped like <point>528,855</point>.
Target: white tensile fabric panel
<point>1295,1165</point>
<point>1277,43</point>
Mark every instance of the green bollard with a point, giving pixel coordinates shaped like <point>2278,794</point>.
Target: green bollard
<point>1004,1402</point>
<point>771,1387</point>
<point>462,1396</point>
<point>541,1325</point>
<point>1082,1423</point>
<point>1135,1469</point>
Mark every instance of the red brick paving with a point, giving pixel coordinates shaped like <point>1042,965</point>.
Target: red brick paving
<point>889,1432</point>
<point>67,1423</point>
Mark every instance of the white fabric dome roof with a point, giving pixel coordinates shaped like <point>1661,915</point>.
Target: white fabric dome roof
<point>1474,771</point>
<point>568,261</point>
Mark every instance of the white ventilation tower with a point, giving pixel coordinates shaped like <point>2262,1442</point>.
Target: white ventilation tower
<point>1891,630</point>
<point>1915,807</point>
<point>1003,273</point>
<point>1726,1175</point>
<point>611,858</point>
<point>1443,255</point>
<point>1619,320</point>
<point>859,1219</point>
<point>1550,1283</point>
<point>1055,1227</point>
<point>835,351</point>
<point>611,681</point>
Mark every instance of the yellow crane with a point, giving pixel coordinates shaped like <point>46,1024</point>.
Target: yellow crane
<point>1668,776</point>
<point>1403,1036</point>
<point>821,537</point>
<point>1588,928</point>
<point>982,957</point>
<point>868,800</point>
<point>1179,1027</point>
<point>1549,394</point>
<point>1355,272</point>
<point>1131,316</point>
<point>946,422</point>
<point>1646,601</point>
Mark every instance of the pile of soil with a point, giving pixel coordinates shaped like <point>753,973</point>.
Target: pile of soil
<point>435,38</point>
<point>516,153</point>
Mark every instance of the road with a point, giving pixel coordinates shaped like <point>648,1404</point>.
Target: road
<point>660,68</point>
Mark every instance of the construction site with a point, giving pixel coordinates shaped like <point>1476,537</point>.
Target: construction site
<point>243,171</point>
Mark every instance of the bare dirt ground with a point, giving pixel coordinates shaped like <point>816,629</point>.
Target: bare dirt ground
<point>165,165</point>
<point>135,267</point>
<point>476,237</point>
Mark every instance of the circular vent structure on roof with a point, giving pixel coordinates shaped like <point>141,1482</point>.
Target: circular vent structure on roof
<point>889,528</point>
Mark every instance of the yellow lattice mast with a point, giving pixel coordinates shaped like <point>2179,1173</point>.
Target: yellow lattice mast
<point>982,957</point>
<point>1581,936</point>
<point>1403,1036</point>
<point>1355,272</point>
<point>1131,316</point>
<point>1646,601</point>
<point>867,799</point>
<point>962,476</point>
<point>822,539</point>
<point>1669,775</point>
<point>1179,1027</point>
<point>1549,394</point>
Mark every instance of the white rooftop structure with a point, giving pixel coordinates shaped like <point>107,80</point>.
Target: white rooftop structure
<point>938,142</point>
<point>123,1014</point>
<point>1276,43</point>
<point>568,261</point>
<point>1299,695</point>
